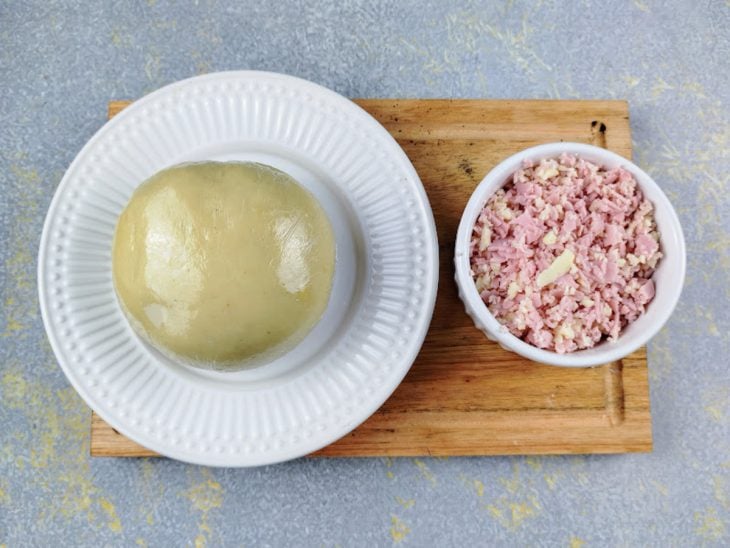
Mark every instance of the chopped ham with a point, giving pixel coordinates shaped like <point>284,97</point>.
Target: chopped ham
<point>564,253</point>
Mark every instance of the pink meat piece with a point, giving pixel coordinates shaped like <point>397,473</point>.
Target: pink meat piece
<point>526,193</point>
<point>570,223</point>
<point>645,245</point>
<point>645,293</point>
<point>529,226</point>
<point>612,234</point>
<point>611,272</point>
<point>597,224</point>
<point>567,160</point>
<point>602,217</point>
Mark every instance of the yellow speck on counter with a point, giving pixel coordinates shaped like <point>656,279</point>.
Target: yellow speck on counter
<point>25,175</point>
<point>631,81</point>
<point>709,525</point>
<point>512,484</point>
<point>718,485</point>
<point>575,542</point>
<point>389,463</point>
<point>495,512</point>
<point>57,450</point>
<point>121,39</point>
<point>115,523</point>
<point>660,87</point>
<point>14,389</point>
<point>398,529</point>
<point>512,513</point>
<point>473,484</point>
<point>18,311</point>
<point>205,496</point>
<point>663,489</point>
<point>519,512</point>
<point>425,471</point>
<point>694,88</point>
<point>715,403</point>
<point>512,509</point>
<point>4,496</point>
<point>12,326</point>
<point>152,491</point>
<point>405,503</point>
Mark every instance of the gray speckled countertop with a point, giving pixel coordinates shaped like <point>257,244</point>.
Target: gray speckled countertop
<point>60,62</point>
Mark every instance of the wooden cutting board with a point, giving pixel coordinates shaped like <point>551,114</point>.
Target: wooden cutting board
<point>464,394</point>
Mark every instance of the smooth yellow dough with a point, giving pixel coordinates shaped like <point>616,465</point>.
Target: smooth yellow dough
<point>218,263</point>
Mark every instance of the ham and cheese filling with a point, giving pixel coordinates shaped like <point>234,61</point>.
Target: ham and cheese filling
<point>563,254</point>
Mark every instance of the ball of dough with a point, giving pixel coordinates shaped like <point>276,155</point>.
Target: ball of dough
<point>218,263</point>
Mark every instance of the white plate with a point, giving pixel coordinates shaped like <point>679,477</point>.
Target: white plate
<point>384,288</point>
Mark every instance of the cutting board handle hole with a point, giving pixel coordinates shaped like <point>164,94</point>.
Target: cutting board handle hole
<point>598,133</point>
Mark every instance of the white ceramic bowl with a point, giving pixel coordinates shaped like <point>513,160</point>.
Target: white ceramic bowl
<point>668,278</point>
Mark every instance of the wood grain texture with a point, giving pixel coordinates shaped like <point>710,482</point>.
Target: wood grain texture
<point>464,394</point>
